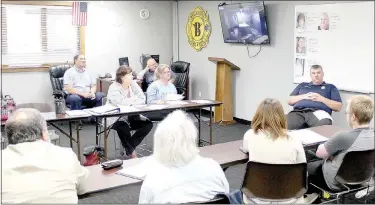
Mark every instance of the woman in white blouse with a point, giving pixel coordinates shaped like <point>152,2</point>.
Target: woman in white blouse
<point>126,91</point>
<point>179,174</point>
<point>268,140</point>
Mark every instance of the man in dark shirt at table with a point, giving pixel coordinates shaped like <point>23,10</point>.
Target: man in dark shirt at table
<point>313,102</point>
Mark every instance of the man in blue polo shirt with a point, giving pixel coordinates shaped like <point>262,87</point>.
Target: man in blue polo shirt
<point>313,102</point>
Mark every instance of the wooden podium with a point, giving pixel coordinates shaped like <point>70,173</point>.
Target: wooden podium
<point>224,112</point>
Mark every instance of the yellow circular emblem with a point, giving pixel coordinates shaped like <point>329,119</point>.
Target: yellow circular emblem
<point>198,28</point>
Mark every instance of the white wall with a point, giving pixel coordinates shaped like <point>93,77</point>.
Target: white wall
<point>129,36</point>
<point>105,43</point>
<point>269,74</point>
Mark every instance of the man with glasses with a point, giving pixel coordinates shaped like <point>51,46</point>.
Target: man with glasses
<point>147,75</point>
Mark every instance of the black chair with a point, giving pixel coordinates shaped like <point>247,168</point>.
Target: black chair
<point>56,74</point>
<point>354,175</point>
<point>181,70</point>
<point>275,182</point>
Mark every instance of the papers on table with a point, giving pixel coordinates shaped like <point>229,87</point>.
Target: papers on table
<point>125,108</point>
<point>140,170</point>
<point>321,114</point>
<point>76,113</point>
<point>307,136</point>
<point>156,107</point>
<point>105,109</point>
<point>200,101</point>
<point>49,115</point>
<point>176,102</point>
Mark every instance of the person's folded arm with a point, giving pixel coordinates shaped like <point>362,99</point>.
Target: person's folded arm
<point>73,91</point>
<point>139,95</point>
<point>142,73</point>
<point>116,97</point>
<point>295,97</point>
<point>332,146</point>
<point>152,91</point>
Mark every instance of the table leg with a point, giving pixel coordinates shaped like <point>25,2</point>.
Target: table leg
<point>199,127</point>
<point>78,143</point>
<point>71,134</point>
<point>105,138</point>
<point>96,130</point>
<point>210,125</point>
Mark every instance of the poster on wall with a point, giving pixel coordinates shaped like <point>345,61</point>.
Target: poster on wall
<point>339,38</point>
<point>198,28</point>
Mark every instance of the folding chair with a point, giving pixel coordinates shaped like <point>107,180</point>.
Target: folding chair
<point>275,182</point>
<point>354,175</point>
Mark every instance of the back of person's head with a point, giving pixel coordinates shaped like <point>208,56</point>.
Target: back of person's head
<point>160,69</point>
<point>25,125</point>
<point>175,140</point>
<point>270,119</point>
<point>362,108</point>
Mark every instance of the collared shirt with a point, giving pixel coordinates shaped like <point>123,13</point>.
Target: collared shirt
<point>82,80</point>
<point>41,172</point>
<point>325,89</point>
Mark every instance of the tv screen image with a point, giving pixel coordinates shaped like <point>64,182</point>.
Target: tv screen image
<point>244,23</point>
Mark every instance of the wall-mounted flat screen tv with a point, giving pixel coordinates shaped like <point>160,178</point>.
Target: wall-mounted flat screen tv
<point>244,23</point>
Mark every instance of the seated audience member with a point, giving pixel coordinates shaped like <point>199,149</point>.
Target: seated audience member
<point>147,75</point>
<point>80,86</point>
<point>35,170</point>
<point>268,140</point>
<point>125,91</point>
<point>160,88</point>
<point>313,102</point>
<point>180,174</point>
<point>359,112</point>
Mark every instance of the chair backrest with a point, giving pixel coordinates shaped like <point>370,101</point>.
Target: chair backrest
<point>357,167</point>
<point>217,200</point>
<point>275,181</point>
<point>56,74</point>
<point>42,107</point>
<point>181,70</point>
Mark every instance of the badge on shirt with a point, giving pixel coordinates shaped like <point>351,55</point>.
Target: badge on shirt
<point>323,87</point>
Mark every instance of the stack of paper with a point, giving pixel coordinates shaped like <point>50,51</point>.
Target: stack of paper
<point>307,136</point>
<point>176,102</point>
<point>105,109</point>
<point>156,107</point>
<point>75,113</point>
<point>138,171</point>
<point>125,108</point>
<point>201,101</point>
<point>49,115</point>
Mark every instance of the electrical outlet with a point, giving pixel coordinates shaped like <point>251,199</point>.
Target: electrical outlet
<point>200,94</point>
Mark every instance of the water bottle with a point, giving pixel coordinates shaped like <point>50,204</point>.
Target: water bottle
<point>60,105</point>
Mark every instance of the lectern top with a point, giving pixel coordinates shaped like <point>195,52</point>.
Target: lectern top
<point>223,60</point>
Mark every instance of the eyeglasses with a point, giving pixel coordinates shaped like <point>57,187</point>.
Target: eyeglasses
<point>166,72</point>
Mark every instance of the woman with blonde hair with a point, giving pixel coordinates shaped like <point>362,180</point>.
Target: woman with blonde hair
<point>162,86</point>
<point>179,174</point>
<point>268,141</point>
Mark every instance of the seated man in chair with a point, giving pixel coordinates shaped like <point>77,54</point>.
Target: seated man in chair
<point>313,102</point>
<point>80,86</point>
<point>359,112</point>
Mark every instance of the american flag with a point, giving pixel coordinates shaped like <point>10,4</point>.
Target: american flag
<point>79,13</point>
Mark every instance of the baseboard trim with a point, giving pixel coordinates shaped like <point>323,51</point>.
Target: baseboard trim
<point>239,120</point>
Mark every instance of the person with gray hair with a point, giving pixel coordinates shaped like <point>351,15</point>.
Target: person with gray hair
<point>179,174</point>
<point>35,170</point>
